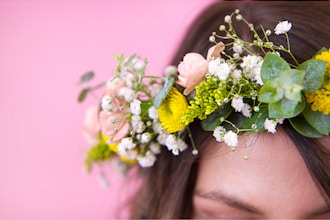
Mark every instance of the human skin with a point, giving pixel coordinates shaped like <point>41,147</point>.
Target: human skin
<point>273,183</point>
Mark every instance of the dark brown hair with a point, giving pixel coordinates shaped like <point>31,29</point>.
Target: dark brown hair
<point>168,186</point>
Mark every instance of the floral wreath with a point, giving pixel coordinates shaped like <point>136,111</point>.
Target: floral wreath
<point>140,114</point>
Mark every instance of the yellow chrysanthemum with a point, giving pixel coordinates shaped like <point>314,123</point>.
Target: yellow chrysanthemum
<point>172,110</point>
<point>114,148</point>
<point>325,56</point>
<point>320,100</point>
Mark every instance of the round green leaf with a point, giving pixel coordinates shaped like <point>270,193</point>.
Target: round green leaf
<point>303,128</point>
<point>270,92</point>
<point>286,108</point>
<point>272,66</point>
<point>314,74</point>
<point>318,120</point>
<point>213,120</point>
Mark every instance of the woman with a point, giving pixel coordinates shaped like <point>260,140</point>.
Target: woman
<point>286,176</point>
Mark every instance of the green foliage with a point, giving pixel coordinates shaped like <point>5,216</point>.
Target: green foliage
<point>86,77</point>
<point>272,66</point>
<point>285,108</point>
<point>98,153</point>
<point>213,120</point>
<point>257,118</point>
<point>314,74</point>
<point>83,94</point>
<point>304,128</point>
<point>163,92</point>
<point>317,120</point>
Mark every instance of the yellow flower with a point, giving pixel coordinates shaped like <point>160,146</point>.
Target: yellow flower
<point>172,110</point>
<point>325,56</point>
<point>320,100</point>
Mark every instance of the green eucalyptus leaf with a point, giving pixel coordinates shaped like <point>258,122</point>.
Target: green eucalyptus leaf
<point>83,94</point>
<point>86,77</point>
<point>163,92</point>
<point>270,92</point>
<point>304,128</point>
<point>314,74</point>
<point>272,66</point>
<point>286,108</point>
<point>213,120</point>
<point>291,77</point>
<point>291,82</point>
<point>317,119</point>
<point>257,118</point>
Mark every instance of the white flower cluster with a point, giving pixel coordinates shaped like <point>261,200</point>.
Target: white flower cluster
<point>229,137</point>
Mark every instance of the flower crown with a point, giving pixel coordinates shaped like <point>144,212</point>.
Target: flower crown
<point>230,93</point>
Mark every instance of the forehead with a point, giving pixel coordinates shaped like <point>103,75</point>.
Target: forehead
<point>273,178</point>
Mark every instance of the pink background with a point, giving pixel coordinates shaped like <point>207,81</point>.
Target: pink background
<point>45,46</point>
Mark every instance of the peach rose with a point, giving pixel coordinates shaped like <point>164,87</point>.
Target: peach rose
<point>114,125</point>
<point>191,71</point>
<point>194,67</point>
<point>215,51</point>
<point>91,128</point>
<point>112,89</point>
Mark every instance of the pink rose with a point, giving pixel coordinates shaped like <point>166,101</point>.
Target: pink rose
<point>91,128</point>
<point>191,71</point>
<point>114,125</point>
<point>194,67</point>
<point>111,89</point>
<point>215,51</point>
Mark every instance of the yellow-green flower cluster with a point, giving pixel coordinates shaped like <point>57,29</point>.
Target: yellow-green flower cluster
<point>209,95</point>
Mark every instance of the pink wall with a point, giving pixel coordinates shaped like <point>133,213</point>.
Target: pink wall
<point>44,48</point>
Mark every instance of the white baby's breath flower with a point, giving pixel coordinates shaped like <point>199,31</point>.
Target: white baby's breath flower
<point>251,67</point>
<point>137,124</point>
<point>268,32</point>
<point>246,110</point>
<point>218,133</point>
<point>270,125</point>
<point>282,27</point>
<point>238,46</point>
<point>223,71</point>
<point>130,80</point>
<point>157,127</point>
<point>106,103</point>
<point>237,75</point>
<point>181,144</point>
<point>135,107</point>
<point>213,66</point>
<point>145,137</point>
<point>153,113</point>
<point>171,71</point>
<point>219,68</point>
<point>162,137</point>
<point>171,142</point>
<point>237,104</point>
<point>227,19</point>
<point>139,65</point>
<point>125,144</point>
<point>128,94</point>
<point>148,160</point>
<point>155,148</point>
<point>131,154</point>
<point>231,139</point>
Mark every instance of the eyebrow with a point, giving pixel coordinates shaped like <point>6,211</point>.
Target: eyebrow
<point>221,197</point>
